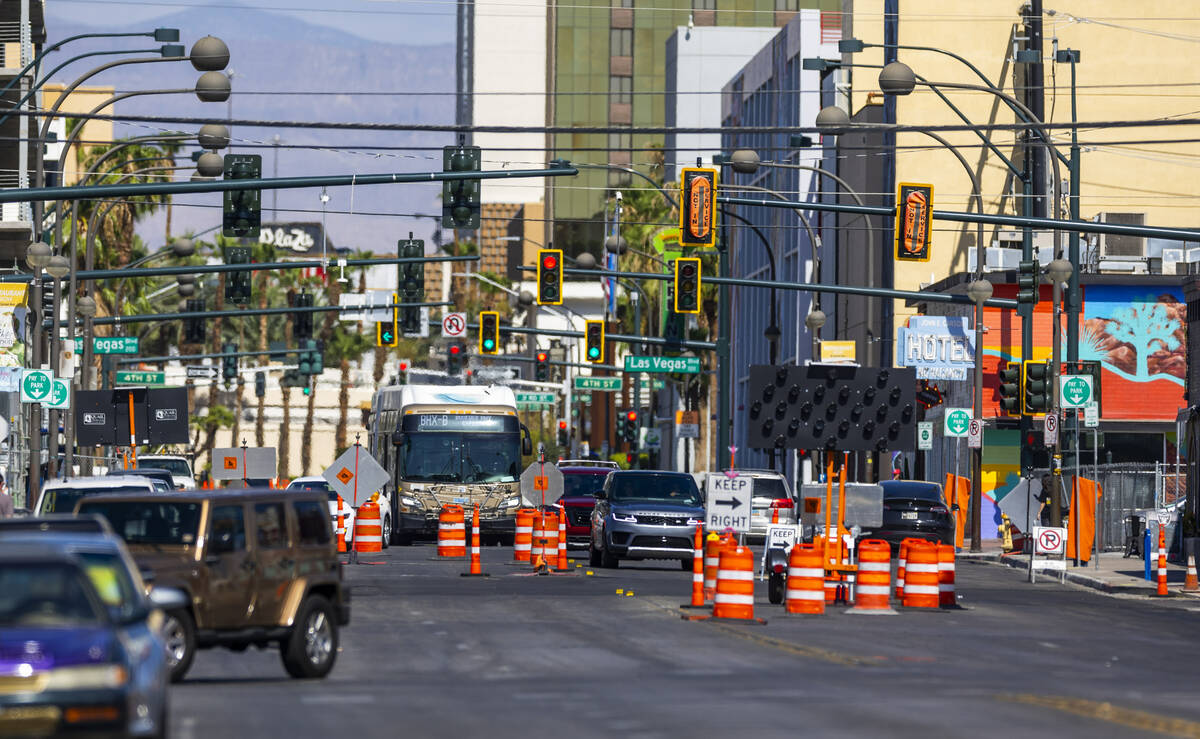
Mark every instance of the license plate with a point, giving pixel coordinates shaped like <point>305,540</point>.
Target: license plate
<point>465,500</point>
<point>909,515</point>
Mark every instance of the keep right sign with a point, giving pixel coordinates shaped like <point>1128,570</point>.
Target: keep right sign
<point>728,504</point>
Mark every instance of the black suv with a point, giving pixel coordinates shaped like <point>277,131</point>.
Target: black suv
<point>642,514</point>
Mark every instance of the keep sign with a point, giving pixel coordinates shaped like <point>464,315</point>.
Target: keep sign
<point>728,502</point>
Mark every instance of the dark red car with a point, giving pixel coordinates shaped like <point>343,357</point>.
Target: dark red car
<point>581,480</point>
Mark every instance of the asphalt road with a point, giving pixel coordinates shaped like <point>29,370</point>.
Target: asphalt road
<point>433,654</point>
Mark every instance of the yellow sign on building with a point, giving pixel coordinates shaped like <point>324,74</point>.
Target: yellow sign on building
<point>12,294</point>
<point>838,352</point>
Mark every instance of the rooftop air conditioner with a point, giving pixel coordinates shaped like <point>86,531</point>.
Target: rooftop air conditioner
<point>1113,247</point>
<point>1171,261</point>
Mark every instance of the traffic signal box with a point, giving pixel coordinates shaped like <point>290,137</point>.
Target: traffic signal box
<point>229,364</point>
<point>489,332</point>
<point>302,321</point>
<point>1010,389</point>
<point>1029,277</point>
<point>194,329</point>
<point>541,367</point>
<point>687,285</point>
<point>454,356</point>
<point>913,221</point>
<point>411,283</point>
<point>461,198</point>
<point>593,334</point>
<point>550,277</point>
<point>562,433</point>
<point>629,425</point>
<point>260,384</point>
<point>242,208</point>
<point>1035,395</point>
<point>237,284</point>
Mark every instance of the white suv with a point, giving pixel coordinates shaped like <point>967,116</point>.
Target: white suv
<point>179,467</point>
<point>316,482</point>
<point>60,496</point>
<point>771,497</point>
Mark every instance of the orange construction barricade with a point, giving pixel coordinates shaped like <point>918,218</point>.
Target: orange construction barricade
<point>452,532</point>
<point>874,577</point>
<point>698,567</point>
<point>340,524</point>
<point>805,581</point>
<point>368,529</point>
<point>946,595</point>
<point>562,540</point>
<point>476,568</point>
<point>735,584</point>
<point>523,538</point>
<point>921,576</point>
<point>712,561</point>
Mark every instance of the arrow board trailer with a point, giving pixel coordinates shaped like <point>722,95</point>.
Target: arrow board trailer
<point>442,445</point>
<point>727,505</point>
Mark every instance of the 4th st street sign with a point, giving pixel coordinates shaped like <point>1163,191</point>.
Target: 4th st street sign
<point>1075,391</point>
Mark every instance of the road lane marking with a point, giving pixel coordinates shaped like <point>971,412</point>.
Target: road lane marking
<point>1105,711</point>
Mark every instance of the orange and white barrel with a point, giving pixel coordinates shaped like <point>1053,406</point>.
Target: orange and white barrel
<point>874,576</point>
<point>946,595</point>
<point>452,532</point>
<point>805,581</point>
<point>735,584</point>
<point>562,540</point>
<point>921,578</point>
<point>368,529</point>
<point>523,538</point>
<point>550,536</point>
<point>712,561</point>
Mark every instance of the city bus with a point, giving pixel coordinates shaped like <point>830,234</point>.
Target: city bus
<point>450,444</point>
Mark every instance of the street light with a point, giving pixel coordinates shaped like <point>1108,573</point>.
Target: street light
<point>897,78</point>
<point>979,290</point>
<point>616,244</point>
<point>210,164</point>
<point>85,307</point>
<point>58,267</point>
<point>1059,271</point>
<point>38,255</point>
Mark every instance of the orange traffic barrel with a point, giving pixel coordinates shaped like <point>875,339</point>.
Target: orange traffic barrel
<point>476,567</point>
<point>562,540</point>
<point>901,566</point>
<point>921,578</point>
<point>523,538</point>
<point>874,577</point>
<point>698,567</point>
<point>368,529</point>
<point>712,555</point>
<point>452,532</point>
<point>549,542</point>
<point>340,526</point>
<point>946,595</point>
<point>805,580</point>
<point>735,584</point>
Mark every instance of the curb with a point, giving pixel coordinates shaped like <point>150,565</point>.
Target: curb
<point>1075,578</point>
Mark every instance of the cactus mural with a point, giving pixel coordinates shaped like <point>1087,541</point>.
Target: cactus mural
<point>1147,327</point>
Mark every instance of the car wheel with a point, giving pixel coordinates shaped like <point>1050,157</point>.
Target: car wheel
<point>775,588</point>
<point>608,560</point>
<point>593,554</point>
<point>311,649</point>
<point>179,638</point>
<point>387,532</point>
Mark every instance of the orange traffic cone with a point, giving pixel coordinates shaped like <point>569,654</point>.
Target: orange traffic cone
<point>698,568</point>
<point>562,540</point>
<point>476,568</point>
<point>341,525</point>
<point>1191,584</point>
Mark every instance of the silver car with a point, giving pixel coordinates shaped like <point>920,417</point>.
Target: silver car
<point>771,498</point>
<point>643,514</point>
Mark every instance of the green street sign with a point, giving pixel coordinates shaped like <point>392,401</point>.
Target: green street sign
<point>583,398</point>
<point>141,378</point>
<point>60,394</point>
<point>689,365</point>
<point>36,385</point>
<point>1075,391</point>
<point>956,422</point>
<point>604,384</point>
<point>657,384</point>
<point>536,398</point>
<point>114,345</point>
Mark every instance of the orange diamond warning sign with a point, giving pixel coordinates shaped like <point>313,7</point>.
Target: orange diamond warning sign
<point>231,463</point>
<point>345,476</point>
<point>541,483</point>
<point>356,475</point>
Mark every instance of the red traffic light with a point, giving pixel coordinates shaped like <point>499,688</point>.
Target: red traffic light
<point>542,356</point>
<point>455,349</point>
<point>404,366</point>
<point>631,415</point>
<point>549,261</point>
<point>562,425</point>
<point>1030,439</point>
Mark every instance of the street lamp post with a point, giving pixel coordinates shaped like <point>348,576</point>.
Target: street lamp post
<point>37,256</point>
<point>1059,271</point>
<point>979,291</point>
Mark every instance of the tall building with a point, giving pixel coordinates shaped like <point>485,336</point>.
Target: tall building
<point>608,69</point>
<point>22,33</point>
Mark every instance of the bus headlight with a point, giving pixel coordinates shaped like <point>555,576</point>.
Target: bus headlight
<point>407,502</point>
<point>511,503</point>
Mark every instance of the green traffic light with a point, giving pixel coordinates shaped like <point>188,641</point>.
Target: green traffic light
<point>488,344</point>
<point>593,352</point>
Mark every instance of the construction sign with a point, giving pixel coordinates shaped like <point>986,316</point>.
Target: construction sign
<point>914,208</point>
<point>541,484</point>
<point>356,475</point>
<point>244,463</point>
<point>698,206</point>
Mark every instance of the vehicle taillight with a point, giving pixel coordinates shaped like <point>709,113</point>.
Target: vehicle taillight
<point>783,503</point>
<point>778,569</point>
<point>941,510</point>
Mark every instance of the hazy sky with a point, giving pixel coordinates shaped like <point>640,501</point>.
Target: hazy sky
<point>396,21</point>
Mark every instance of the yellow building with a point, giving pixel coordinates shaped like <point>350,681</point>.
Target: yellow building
<point>95,131</point>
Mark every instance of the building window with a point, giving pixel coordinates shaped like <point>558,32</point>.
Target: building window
<point>621,40</point>
<point>706,4</point>
<point>791,6</point>
<point>626,3</point>
<point>620,89</point>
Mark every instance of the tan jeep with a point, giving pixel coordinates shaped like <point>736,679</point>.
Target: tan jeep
<point>260,567</point>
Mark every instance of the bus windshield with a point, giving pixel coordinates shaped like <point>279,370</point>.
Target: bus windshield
<point>460,457</point>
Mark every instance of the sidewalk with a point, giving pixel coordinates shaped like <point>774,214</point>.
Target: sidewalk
<point>1115,574</point>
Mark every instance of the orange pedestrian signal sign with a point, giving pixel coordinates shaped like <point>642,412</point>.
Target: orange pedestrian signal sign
<point>231,463</point>
<point>698,206</point>
<point>914,207</point>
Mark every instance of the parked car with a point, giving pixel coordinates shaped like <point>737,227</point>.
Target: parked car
<point>161,478</point>
<point>913,508</point>
<point>771,497</point>
<point>320,484</point>
<point>258,568</point>
<point>645,515</point>
<point>57,523</point>
<point>80,649</point>
<point>581,480</point>
<point>60,496</point>
<point>179,466</point>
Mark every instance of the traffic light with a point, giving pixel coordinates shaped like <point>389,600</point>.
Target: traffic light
<point>687,285</point>
<point>929,395</point>
<point>489,332</point>
<point>292,378</point>
<point>593,334</point>
<point>260,384</point>
<point>454,358</point>
<point>194,329</point>
<point>237,284</point>
<point>48,289</point>
<point>629,429</point>
<point>385,333</point>
<point>1033,452</point>
<point>402,374</point>
<point>302,323</point>
<point>311,359</point>
<point>243,208</point>
<point>1029,277</point>
<point>1035,399</point>
<point>460,198</point>
<point>562,433</point>
<point>411,284</point>
<point>229,364</point>
<point>1010,389</point>
<point>549,277</point>
<point>541,367</point>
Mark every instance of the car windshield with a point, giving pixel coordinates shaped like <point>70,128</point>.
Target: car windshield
<point>461,457</point>
<point>110,577</point>
<point>177,467</point>
<point>149,522</point>
<point>44,595</point>
<point>770,487</point>
<point>582,485</point>
<point>917,490</point>
<point>318,485</point>
<point>654,488</point>
<point>63,499</point>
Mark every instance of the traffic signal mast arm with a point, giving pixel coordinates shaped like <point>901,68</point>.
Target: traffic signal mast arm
<point>183,316</point>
